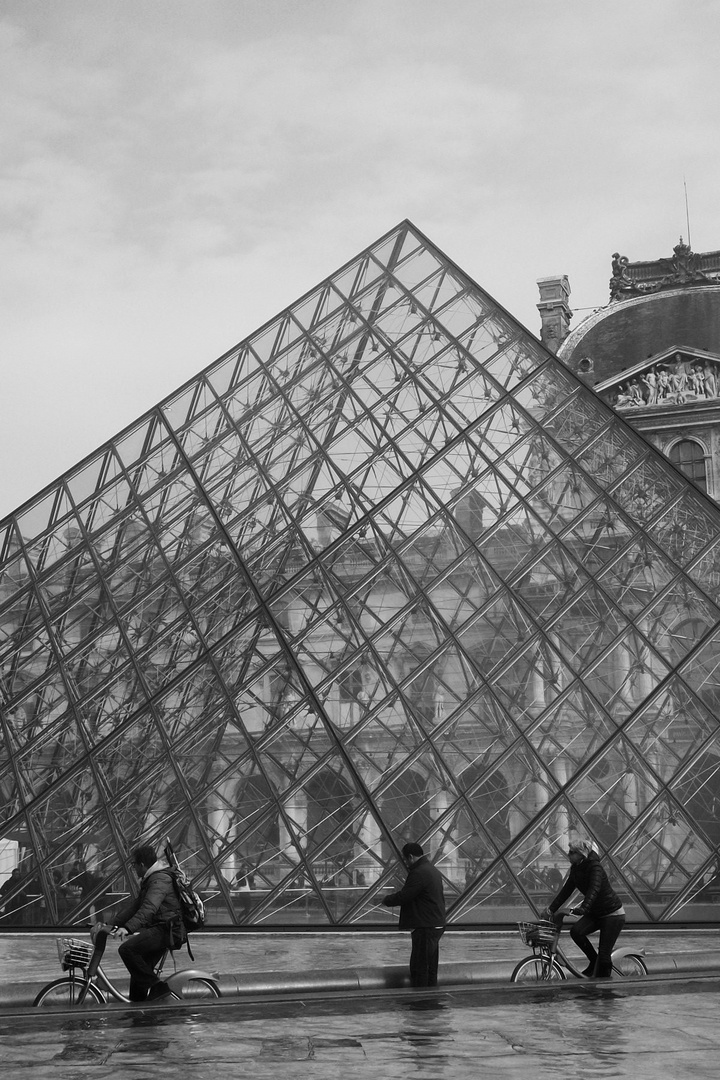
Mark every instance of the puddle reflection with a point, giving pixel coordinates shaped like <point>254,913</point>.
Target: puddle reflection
<point>602,1024</point>
<point>427,1035</point>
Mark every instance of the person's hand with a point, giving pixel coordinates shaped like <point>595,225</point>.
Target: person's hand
<point>546,913</point>
<point>120,932</point>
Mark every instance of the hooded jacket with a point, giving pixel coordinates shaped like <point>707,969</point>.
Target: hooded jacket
<point>156,904</point>
<point>421,898</point>
<point>589,878</point>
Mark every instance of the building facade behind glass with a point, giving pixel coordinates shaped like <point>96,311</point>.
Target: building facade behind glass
<point>387,570</point>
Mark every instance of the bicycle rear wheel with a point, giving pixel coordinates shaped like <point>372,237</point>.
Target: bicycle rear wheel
<point>537,969</point>
<point>65,992</point>
<point>630,964</point>
<point>196,990</point>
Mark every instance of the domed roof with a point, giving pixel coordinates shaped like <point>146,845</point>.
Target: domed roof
<point>628,331</point>
<point>653,306</point>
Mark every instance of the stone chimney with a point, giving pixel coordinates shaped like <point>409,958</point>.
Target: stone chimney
<point>554,308</point>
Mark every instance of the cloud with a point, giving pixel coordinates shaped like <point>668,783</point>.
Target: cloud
<point>174,173</point>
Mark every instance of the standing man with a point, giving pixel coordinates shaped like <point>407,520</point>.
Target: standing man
<point>148,925</point>
<point>422,911</point>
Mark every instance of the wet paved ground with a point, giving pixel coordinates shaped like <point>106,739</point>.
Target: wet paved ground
<point>656,1029</point>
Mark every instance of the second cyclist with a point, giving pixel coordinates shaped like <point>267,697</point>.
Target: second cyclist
<point>601,908</point>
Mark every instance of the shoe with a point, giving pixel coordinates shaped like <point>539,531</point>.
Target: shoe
<point>589,971</point>
<point>159,990</point>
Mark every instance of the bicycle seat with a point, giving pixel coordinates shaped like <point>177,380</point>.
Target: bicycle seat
<point>100,937</point>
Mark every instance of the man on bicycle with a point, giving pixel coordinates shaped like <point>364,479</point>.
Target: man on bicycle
<point>149,925</point>
<point>601,908</point>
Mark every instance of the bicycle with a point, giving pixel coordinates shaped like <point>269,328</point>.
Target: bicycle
<point>86,980</point>
<point>550,962</point>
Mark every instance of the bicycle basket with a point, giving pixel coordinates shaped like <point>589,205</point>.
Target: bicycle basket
<point>537,933</point>
<point>74,952</point>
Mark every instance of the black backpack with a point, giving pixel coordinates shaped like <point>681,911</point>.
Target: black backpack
<point>192,908</point>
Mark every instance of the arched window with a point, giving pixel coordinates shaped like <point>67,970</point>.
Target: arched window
<point>330,804</point>
<point>689,457</point>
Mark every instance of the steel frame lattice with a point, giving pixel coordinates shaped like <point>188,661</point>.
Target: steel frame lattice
<point>385,570</point>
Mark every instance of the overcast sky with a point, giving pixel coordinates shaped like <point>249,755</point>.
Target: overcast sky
<point>175,172</point>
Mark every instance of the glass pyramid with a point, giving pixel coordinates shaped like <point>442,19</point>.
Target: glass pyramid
<point>385,571</point>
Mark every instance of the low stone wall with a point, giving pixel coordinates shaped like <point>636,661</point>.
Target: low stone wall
<point>396,977</point>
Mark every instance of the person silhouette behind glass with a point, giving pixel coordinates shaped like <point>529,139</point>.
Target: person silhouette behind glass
<point>553,877</point>
<point>12,907</point>
<point>244,882</point>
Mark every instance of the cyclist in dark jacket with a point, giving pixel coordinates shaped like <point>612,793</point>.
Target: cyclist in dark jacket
<point>601,908</point>
<point>422,910</point>
<point>148,925</point>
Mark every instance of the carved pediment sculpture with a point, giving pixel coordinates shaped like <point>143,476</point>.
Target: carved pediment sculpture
<point>674,379</point>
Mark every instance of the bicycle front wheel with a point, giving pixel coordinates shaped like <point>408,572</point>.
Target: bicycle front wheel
<point>65,992</point>
<point>630,964</point>
<point>537,969</point>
